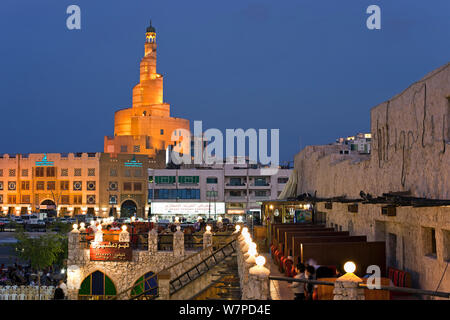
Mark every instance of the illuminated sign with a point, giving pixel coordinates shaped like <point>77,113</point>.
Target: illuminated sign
<point>44,162</point>
<point>133,163</point>
<point>188,208</point>
<point>110,251</point>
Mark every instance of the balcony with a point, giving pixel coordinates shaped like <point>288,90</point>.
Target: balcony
<point>235,186</point>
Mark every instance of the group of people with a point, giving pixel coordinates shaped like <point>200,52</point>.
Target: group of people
<point>25,275</point>
<point>303,290</point>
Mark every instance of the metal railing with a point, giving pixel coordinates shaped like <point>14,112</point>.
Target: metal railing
<point>202,267</point>
<point>364,286</point>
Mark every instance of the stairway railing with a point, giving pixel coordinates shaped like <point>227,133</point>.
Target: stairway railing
<point>177,283</point>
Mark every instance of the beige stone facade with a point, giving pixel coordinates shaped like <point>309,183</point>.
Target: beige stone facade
<point>410,152</point>
<point>74,183</point>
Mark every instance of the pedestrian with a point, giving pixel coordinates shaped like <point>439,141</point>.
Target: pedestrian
<point>299,287</point>
<point>63,286</point>
<point>59,294</point>
<point>309,287</point>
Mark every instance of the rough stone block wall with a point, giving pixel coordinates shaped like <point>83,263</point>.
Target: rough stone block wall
<point>410,151</point>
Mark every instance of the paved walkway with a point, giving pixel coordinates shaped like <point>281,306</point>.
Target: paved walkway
<point>279,290</point>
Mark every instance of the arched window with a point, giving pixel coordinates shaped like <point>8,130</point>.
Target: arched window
<point>147,285</point>
<point>96,286</point>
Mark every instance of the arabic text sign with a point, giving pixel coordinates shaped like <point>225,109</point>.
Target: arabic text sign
<point>111,251</point>
<point>188,207</point>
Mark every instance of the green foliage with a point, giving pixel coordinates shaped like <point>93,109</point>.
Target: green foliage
<point>42,251</point>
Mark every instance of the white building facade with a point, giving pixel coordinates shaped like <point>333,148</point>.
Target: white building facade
<point>229,190</point>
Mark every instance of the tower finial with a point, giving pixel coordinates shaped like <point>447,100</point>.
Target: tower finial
<point>150,28</point>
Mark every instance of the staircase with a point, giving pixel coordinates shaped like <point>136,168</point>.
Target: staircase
<point>214,260</point>
<point>211,262</point>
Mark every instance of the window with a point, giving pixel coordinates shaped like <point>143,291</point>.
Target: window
<point>113,185</point>
<point>235,182</point>
<point>90,185</point>
<point>188,179</point>
<point>91,172</point>
<point>446,239</point>
<point>211,194</point>
<point>259,193</point>
<point>113,172</point>
<point>64,172</point>
<point>127,173</point>
<point>12,185</point>
<point>39,171</point>
<point>150,179</point>
<point>40,185</point>
<point>26,199</point>
<point>77,172</point>
<point>65,199</point>
<point>235,193</point>
<point>429,241</point>
<point>283,180</point>
<point>123,149</point>
<point>260,181</point>
<point>127,186</point>
<point>165,179</point>
<point>392,250</point>
<point>11,199</point>
<point>51,185</point>
<point>77,186</point>
<point>1,198</point>
<point>211,180</point>
<point>51,172</point>
<point>90,199</point>
<point>1,185</point>
<point>162,131</point>
<point>138,173</point>
<point>64,185</point>
<point>12,172</point>
<point>175,194</point>
<point>25,185</point>
<point>77,199</point>
<point>113,199</point>
<point>24,172</point>
<point>137,186</point>
<point>136,149</point>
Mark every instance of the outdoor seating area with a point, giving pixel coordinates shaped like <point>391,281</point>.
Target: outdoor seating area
<point>26,292</point>
<point>327,251</point>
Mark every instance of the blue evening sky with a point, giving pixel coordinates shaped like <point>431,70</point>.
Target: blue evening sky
<point>310,68</point>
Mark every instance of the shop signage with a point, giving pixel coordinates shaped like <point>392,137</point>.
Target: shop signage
<point>44,162</point>
<point>133,163</point>
<point>188,208</point>
<point>111,251</point>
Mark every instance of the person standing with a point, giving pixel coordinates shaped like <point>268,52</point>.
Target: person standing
<point>63,287</point>
<point>310,275</point>
<point>299,287</point>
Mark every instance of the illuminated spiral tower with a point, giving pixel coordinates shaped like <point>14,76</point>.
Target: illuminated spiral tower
<point>147,126</point>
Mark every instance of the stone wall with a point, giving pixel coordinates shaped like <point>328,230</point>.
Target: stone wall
<point>410,151</point>
<point>125,274</point>
<point>410,148</point>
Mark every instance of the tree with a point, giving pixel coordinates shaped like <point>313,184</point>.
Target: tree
<point>42,251</point>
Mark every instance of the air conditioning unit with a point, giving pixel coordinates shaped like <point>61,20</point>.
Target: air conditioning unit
<point>91,185</point>
<point>353,207</point>
<point>77,185</point>
<point>328,205</point>
<point>390,211</point>
<point>91,199</point>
